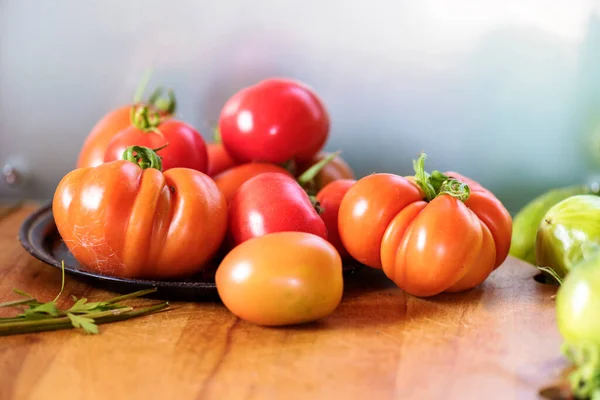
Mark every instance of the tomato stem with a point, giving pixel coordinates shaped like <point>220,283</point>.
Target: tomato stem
<point>216,135</point>
<point>438,183</point>
<point>145,120</point>
<point>142,85</point>
<point>455,188</point>
<point>145,157</point>
<point>310,174</point>
<point>165,105</point>
<point>422,177</point>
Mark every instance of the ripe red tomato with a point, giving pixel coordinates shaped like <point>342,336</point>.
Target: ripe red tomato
<point>283,278</point>
<point>272,202</point>
<point>230,180</point>
<point>334,170</point>
<point>185,146</point>
<point>275,120</point>
<point>218,159</point>
<point>121,220</point>
<point>94,147</point>
<point>427,236</point>
<point>330,198</point>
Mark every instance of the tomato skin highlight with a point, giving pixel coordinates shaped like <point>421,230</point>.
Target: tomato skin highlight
<point>186,147</point>
<point>437,249</point>
<point>120,220</point>
<point>483,265</point>
<point>283,278</point>
<point>272,202</point>
<point>366,211</point>
<point>330,198</point>
<point>394,234</point>
<point>94,147</point>
<point>274,120</point>
<point>497,219</point>
<point>230,180</point>
<point>218,159</point>
<point>577,304</point>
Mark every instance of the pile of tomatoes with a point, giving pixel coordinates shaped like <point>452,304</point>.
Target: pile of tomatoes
<point>268,207</point>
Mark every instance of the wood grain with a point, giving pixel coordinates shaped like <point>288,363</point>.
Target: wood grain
<point>496,342</point>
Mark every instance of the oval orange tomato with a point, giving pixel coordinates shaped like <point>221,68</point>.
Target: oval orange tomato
<point>121,220</point>
<point>230,180</point>
<point>281,278</point>
<point>329,199</point>
<point>429,234</point>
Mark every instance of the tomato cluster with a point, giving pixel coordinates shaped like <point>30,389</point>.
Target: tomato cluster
<point>269,207</point>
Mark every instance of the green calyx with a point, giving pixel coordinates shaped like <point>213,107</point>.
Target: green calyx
<point>145,157</point>
<point>145,120</point>
<point>438,183</point>
<point>165,105</point>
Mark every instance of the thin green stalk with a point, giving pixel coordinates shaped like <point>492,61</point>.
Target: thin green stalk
<point>17,302</point>
<point>314,170</point>
<point>133,295</point>
<point>57,321</point>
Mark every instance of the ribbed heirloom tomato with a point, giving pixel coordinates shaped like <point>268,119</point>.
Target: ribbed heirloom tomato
<point>126,218</point>
<point>430,233</point>
<point>275,120</point>
<point>281,278</point>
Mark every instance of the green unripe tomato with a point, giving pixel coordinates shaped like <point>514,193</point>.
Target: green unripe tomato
<point>578,304</point>
<point>568,233</point>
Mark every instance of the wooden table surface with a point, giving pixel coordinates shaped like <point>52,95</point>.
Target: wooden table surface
<point>496,342</point>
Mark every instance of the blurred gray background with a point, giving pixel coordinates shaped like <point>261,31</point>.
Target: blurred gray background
<point>506,92</point>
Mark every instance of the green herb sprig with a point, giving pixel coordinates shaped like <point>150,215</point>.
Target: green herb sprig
<point>36,316</point>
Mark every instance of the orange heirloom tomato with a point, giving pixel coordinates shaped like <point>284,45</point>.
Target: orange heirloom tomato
<point>94,147</point>
<point>134,221</point>
<point>429,234</point>
<point>230,180</point>
<point>329,199</point>
<point>334,170</point>
<point>282,278</point>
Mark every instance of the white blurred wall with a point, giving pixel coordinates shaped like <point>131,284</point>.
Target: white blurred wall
<point>504,91</point>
